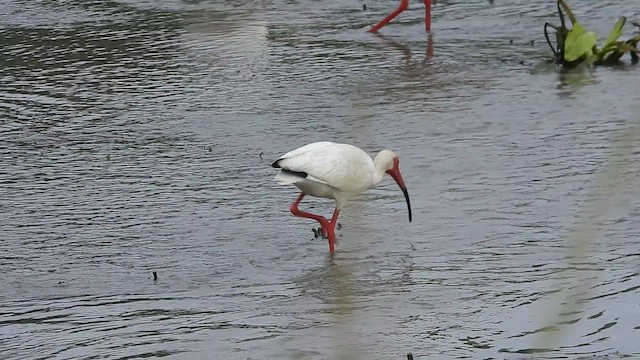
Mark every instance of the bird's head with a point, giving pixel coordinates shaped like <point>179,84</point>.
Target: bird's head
<point>389,161</point>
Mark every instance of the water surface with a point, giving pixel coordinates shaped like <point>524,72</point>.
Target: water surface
<point>132,134</point>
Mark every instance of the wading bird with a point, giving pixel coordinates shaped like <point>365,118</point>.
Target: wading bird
<point>335,171</point>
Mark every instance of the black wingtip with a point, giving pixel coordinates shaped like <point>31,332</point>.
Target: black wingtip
<point>301,174</point>
<point>276,164</point>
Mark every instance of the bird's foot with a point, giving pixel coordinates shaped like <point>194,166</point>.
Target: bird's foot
<point>319,232</point>
<point>329,235</point>
<point>327,230</point>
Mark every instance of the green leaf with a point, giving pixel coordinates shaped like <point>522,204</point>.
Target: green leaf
<point>592,59</point>
<point>579,43</point>
<point>615,32</point>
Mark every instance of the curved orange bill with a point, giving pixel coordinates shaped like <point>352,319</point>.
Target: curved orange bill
<point>395,174</point>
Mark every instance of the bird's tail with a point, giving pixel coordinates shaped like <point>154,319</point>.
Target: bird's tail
<point>284,178</point>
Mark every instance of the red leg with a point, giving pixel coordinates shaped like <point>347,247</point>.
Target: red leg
<point>326,225</point>
<point>404,4</point>
<point>332,224</point>
<point>334,218</point>
<point>427,16</point>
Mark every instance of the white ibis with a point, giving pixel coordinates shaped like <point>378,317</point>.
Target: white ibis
<point>335,171</point>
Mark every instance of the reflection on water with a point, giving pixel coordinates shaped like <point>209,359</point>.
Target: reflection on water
<point>137,137</point>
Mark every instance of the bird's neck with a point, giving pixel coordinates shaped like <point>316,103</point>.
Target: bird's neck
<point>378,174</point>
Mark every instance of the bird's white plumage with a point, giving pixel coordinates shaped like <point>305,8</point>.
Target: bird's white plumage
<point>341,166</point>
<point>334,171</point>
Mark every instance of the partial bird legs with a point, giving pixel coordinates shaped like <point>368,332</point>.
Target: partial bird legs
<point>328,226</point>
<point>404,5</point>
<point>318,232</point>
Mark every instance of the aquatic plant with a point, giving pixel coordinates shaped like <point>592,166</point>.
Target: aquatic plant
<point>577,45</point>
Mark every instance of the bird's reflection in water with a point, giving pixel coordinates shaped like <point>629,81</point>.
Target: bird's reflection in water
<point>406,50</point>
<point>332,283</point>
<point>347,287</point>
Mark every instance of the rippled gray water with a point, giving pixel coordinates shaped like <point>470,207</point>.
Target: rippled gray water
<point>131,139</point>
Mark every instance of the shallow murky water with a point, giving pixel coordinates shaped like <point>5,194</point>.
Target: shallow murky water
<point>131,141</point>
